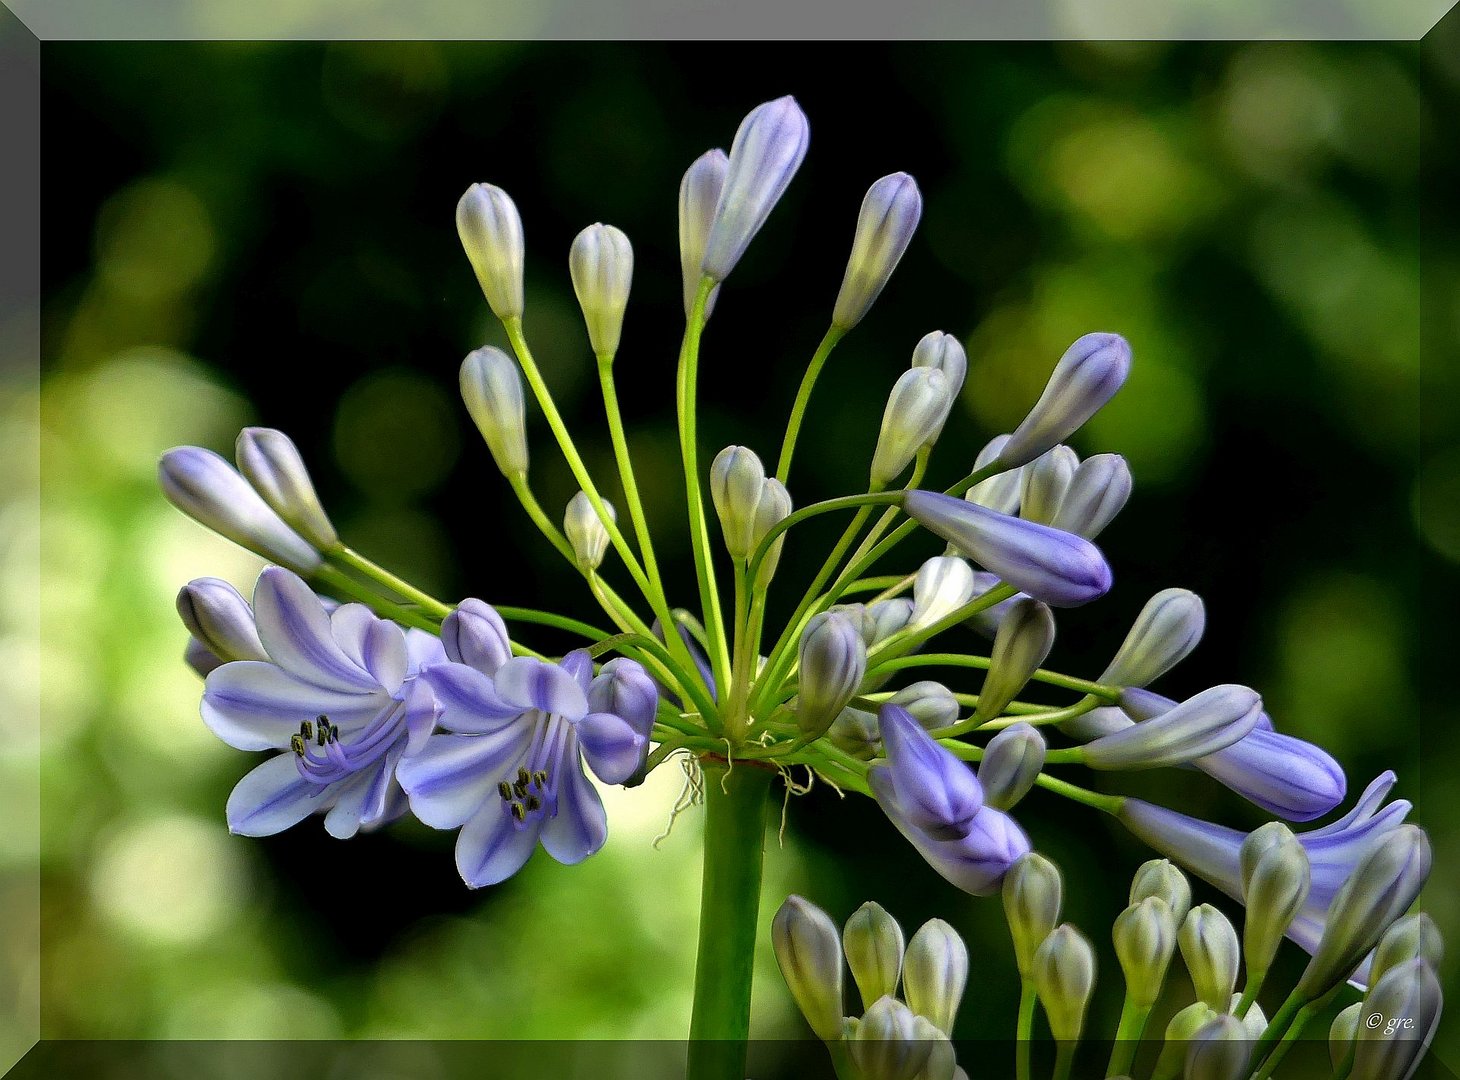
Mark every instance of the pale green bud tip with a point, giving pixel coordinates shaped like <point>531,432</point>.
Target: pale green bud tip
<point>491,232</point>
<point>890,213</point>
<point>1145,938</point>
<point>891,1042</point>
<point>1160,877</point>
<point>874,946</point>
<point>601,264</point>
<point>1341,1032</point>
<point>1011,764</point>
<point>1259,842</point>
<point>737,482</point>
<point>270,461</point>
<point>1033,890</point>
<point>1064,977</point>
<point>492,391</point>
<point>915,410</point>
<point>1023,640</point>
<point>1276,879</point>
<point>1209,947</point>
<point>833,663</point>
<point>1412,937</point>
<point>930,703</point>
<point>1046,480</point>
<point>1164,633</point>
<point>585,530</point>
<point>808,950</point>
<point>935,973</point>
<point>1220,1050</point>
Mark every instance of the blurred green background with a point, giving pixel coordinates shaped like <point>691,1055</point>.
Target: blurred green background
<point>263,233</point>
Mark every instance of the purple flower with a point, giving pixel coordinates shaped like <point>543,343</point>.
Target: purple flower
<point>1086,377</point>
<point>936,802</point>
<point>220,624</point>
<point>510,773</point>
<point>885,224</point>
<point>338,693</point>
<point>1334,850</point>
<point>1059,568</point>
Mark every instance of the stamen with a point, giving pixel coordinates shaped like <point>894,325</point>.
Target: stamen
<point>306,730</point>
<point>539,779</point>
<point>533,803</point>
<point>523,777</point>
<point>519,812</point>
<point>505,790</point>
<point>296,743</point>
<point>520,788</point>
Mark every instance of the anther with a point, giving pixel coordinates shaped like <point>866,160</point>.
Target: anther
<point>306,730</point>
<point>518,812</point>
<point>523,777</point>
<point>533,803</point>
<point>504,789</point>
<point>539,779</point>
<point>296,743</point>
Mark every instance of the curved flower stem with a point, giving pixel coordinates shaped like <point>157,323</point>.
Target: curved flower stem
<point>803,396</point>
<point>1111,804</point>
<point>879,585</point>
<point>547,618</point>
<point>1108,694</point>
<point>336,581</point>
<point>905,642</point>
<point>1128,1037</point>
<point>1024,1036</point>
<point>1255,980</point>
<point>735,816</point>
<point>920,468</point>
<point>626,467</point>
<point>356,561</point>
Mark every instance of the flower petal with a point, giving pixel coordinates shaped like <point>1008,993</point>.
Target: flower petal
<point>421,714</point>
<point>612,746</point>
<point>533,684</point>
<point>580,826</point>
<point>469,702</point>
<point>492,846</point>
<point>423,649</point>
<point>296,633</point>
<point>274,796</point>
<point>579,665</point>
<point>253,705</point>
<point>453,776</point>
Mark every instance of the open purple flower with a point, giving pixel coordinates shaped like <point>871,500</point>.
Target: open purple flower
<point>338,693</point>
<point>510,773</point>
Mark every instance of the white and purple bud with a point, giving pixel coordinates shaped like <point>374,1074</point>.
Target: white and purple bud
<point>207,489</point>
<point>833,660</point>
<point>935,973</point>
<point>622,687</point>
<point>491,232</point>
<point>1033,891</point>
<point>1002,491</point>
<point>930,703</point>
<point>1200,725</point>
<point>943,585</point>
<point>1276,879</point>
<point>1384,1050</point>
<point>586,532</point>
<point>1164,633</point>
<point>1220,1049</point>
<point>944,352</point>
<point>475,635</point>
<point>1209,947</point>
<point>601,264</point>
<point>885,225</point>
<point>1011,763</point>
<point>937,793</point>
<point>1412,937</point>
<point>772,509</point>
<point>270,461</point>
<point>1064,978</point>
<point>737,482</point>
<point>220,621</point>
<point>699,195</point>
<point>769,147</point>
<point>891,1042</point>
<point>915,412</point>
<point>885,618</point>
<point>1098,492</point>
<point>874,946</point>
<point>1161,878</point>
<point>1086,377</point>
<point>809,952</point>
<point>1046,479</point>
<point>1056,567</point>
<point>1023,640</point>
<point>492,390</point>
<point>1145,939</point>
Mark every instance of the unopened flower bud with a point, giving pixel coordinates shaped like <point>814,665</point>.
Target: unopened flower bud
<point>1200,725</point>
<point>220,620</point>
<point>1166,630</point>
<point>809,952</point>
<point>1086,377</point>
<point>1209,947</point>
<point>207,489</point>
<point>1097,493</point>
<point>874,946</point>
<point>1179,1034</point>
<point>1011,763</point>
<point>1064,977</point>
<point>1386,1050</point>
<point>988,620</point>
<point>930,703</point>
<point>892,1042</point>
<point>1160,877</point>
<point>1145,938</point>
<point>773,508</point>
<point>1377,893</point>
<point>915,410</point>
<point>491,232</point>
<point>475,635</point>
<point>944,352</point>
<point>270,461</point>
<point>887,617</point>
<point>768,149</point>
<point>1001,492</point>
<point>1220,1050</point>
<point>1033,890</point>
<point>833,662</point>
<point>737,481</point>
<point>586,532</point>
<point>943,585</point>
<point>1046,480</point>
<point>1341,1033</point>
<point>601,264</point>
<point>1024,639</point>
<point>889,215</point>
<point>935,972</point>
<point>1414,936</point>
<point>492,391</point>
<point>936,791</point>
<point>623,688</point>
<point>1276,878</point>
<point>699,194</point>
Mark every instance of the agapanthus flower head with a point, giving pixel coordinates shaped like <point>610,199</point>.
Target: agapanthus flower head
<point>699,195</point>
<point>220,623</point>
<point>1164,633</point>
<point>944,352</point>
<point>271,463</point>
<point>492,390</point>
<point>1210,721</point>
<point>601,263</point>
<point>339,694</point>
<point>889,215</point>
<point>1046,480</point>
<point>585,531</point>
<point>491,233</point>
<point>1097,492</point>
<point>1086,377</point>
<point>915,411</point>
<point>874,946</point>
<point>809,952</point>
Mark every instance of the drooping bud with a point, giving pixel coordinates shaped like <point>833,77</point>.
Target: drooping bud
<point>939,794</point>
<point>1220,1050</point>
<point>889,215</point>
<point>768,149</point>
<point>930,703</point>
<point>1378,892</point>
<point>1097,493</point>
<point>891,1042</point>
<point>1285,776</point>
<point>935,972</point>
<point>601,264</point>
<point>270,461</point>
<point>491,232</point>
<point>915,410</point>
<point>737,481</point>
<point>943,585</point>
<point>1161,878</point>
<point>944,352</point>
<point>1046,480</point>
<point>1209,947</point>
<point>874,946</point>
<point>205,488</point>
<point>1406,1004</point>
<point>1145,938</point>
<point>220,620</point>
<point>887,617</point>
<point>475,635</point>
<point>773,508</point>
<point>1166,630</point>
<point>1024,639</point>
<point>809,952</point>
<point>1001,492</point>
<point>1179,1033</point>
<point>1011,763</point>
<point>1200,725</point>
<point>492,391</point>
<point>1033,890</point>
<point>1412,937</point>
<point>1086,377</point>
<point>1276,878</point>
<point>1058,568</point>
<point>586,532</point>
<point>833,662</point>
<point>699,194</point>
<point>1064,977</point>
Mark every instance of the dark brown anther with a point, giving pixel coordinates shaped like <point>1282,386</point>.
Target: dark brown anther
<point>533,803</point>
<point>539,779</point>
<point>296,743</point>
<point>518,812</point>
<point>504,789</point>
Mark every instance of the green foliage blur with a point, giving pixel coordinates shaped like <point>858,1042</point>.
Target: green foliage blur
<point>263,233</point>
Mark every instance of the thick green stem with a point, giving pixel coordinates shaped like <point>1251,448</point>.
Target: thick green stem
<point>1024,1035</point>
<point>735,816</point>
<point>1127,1037</point>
